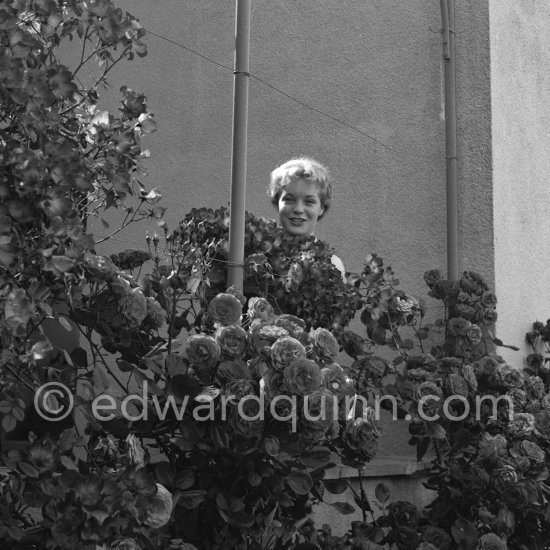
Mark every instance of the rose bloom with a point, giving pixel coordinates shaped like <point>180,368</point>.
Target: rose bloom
<point>535,386</point>
<point>264,335</point>
<point>519,463</point>
<point>204,354</point>
<point>291,323</point>
<point>432,276</point>
<point>232,340</point>
<point>545,401</point>
<point>533,406</point>
<point>509,376</point>
<point>249,422</point>
<point>406,304</point>
<point>100,267</point>
<point>302,377</point>
<point>428,389</point>
<point>490,541</point>
<point>406,390</point>
<point>472,477</point>
<point>532,451</point>
<point>133,307</point>
<point>43,454</point>
<point>273,383</point>
<point>519,398</point>
<point>490,316</point>
<point>232,370</point>
<point>225,309</point>
<point>318,414</point>
<point>406,538</point>
<point>491,447</point>
<point>125,544</point>
<point>458,326</point>
<point>474,335</point>
<point>521,424</point>
<point>522,494</point>
<point>334,379</point>
<point>403,513</point>
<point>504,477</point>
<point>465,311</point>
<point>260,308</point>
<point>361,436</point>
<point>257,367</point>
<point>457,385</point>
<point>469,374</point>
<point>352,343</point>
<point>325,345</point>
<point>159,508</point>
<point>237,389</point>
<point>155,313</point>
<point>419,375</point>
<point>286,350</point>
<point>438,537</point>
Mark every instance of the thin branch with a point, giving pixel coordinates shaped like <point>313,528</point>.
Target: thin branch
<point>97,82</point>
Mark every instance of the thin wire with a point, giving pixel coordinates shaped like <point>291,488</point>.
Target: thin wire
<point>300,102</point>
<point>354,128</point>
<point>188,49</point>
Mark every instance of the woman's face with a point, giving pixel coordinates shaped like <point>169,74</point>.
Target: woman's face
<point>300,208</point>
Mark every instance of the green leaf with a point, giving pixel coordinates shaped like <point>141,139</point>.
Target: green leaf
<point>9,423</point>
<point>185,480</point>
<point>242,520</point>
<point>300,482</point>
<point>254,479</point>
<point>67,440</point>
<point>408,343</point>
<point>79,358</point>
<point>181,385</point>
<point>65,323</point>
<point>436,431</point>
<point>5,407</point>
<point>465,534</point>
<point>422,446</point>
<point>28,469</point>
<point>335,486</point>
<point>166,474</point>
<point>68,463</point>
<point>191,499</point>
<point>343,507</point>
<point>18,413</point>
<point>382,493</point>
<point>316,458</point>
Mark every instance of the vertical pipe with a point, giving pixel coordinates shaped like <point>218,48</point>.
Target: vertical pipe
<point>239,144</point>
<point>449,56</point>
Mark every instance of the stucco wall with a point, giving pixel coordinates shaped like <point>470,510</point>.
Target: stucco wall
<point>375,65</point>
<point>520,54</point>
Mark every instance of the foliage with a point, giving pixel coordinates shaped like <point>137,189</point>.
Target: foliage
<point>295,274</point>
<point>488,424</point>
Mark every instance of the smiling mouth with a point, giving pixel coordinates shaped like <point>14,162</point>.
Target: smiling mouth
<point>297,221</point>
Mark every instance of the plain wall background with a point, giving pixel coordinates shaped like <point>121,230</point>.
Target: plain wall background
<point>374,65</point>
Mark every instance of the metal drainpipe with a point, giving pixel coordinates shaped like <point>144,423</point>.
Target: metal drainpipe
<point>449,56</point>
<point>239,145</point>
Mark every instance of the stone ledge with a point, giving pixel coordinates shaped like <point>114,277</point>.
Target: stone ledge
<point>382,466</point>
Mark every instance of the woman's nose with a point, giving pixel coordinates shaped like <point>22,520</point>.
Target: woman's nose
<point>298,206</point>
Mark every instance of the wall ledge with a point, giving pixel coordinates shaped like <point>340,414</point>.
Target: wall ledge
<point>382,466</point>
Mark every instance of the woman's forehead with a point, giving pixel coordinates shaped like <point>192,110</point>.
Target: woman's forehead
<point>301,187</point>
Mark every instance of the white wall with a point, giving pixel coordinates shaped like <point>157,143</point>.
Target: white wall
<point>520,76</point>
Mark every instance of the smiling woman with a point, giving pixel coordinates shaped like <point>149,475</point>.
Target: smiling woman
<point>302,192</point>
